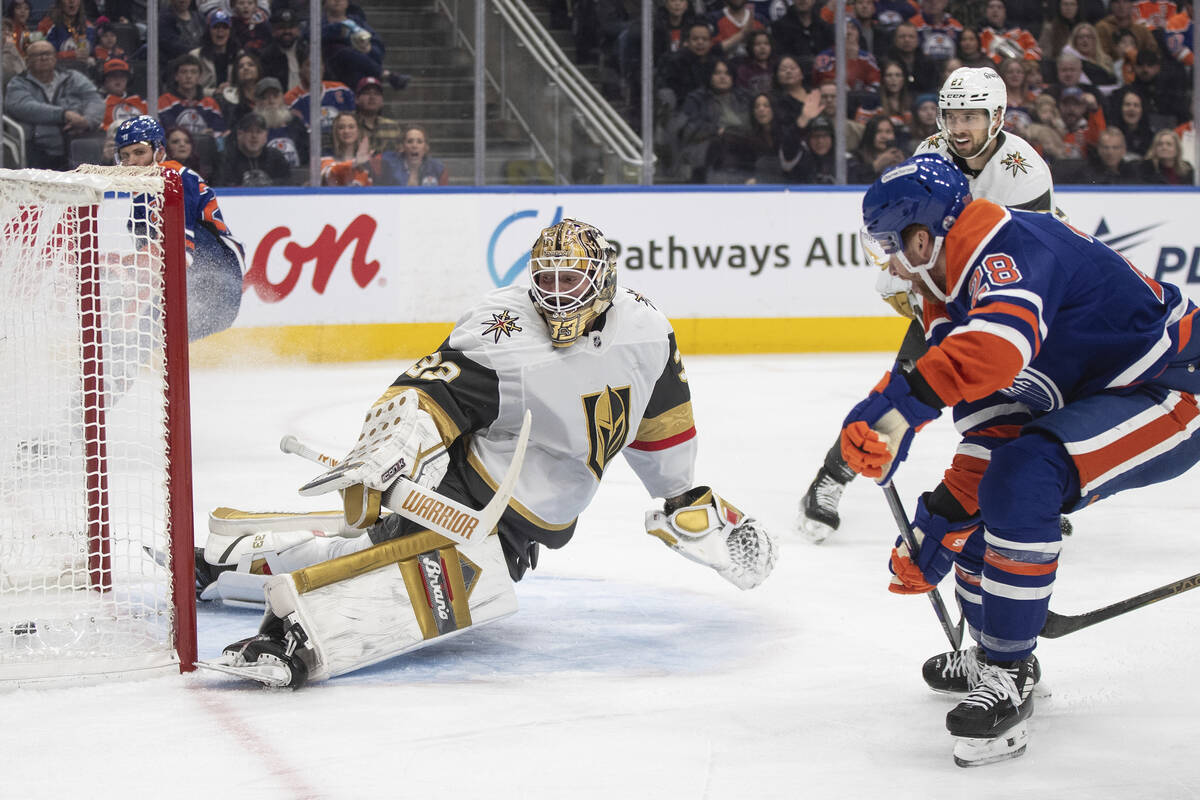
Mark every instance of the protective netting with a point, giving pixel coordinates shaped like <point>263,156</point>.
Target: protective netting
<point>84,481</point>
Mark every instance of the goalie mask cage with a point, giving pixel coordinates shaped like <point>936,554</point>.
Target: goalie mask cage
<point>96,564</point>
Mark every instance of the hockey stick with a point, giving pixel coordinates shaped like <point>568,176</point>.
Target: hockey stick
<point>953,632</point>
<point>435,511</point>
<point>1060,625</point>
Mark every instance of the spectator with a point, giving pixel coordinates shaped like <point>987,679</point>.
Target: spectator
<point>891,13</point>
<point>683,72</point>
<point>801,33</point>
<point>924,73</point>
<point>809,157</point>
<point>1084,43</point>
<point>383,133</point>
<point>734,154</point>
<point>282,57</point>
<point>285,131</point>
<point>250,162</point>
<point>351,48</point>
<point>795,106</point>
<point>1154,13</point>
<point>184,105</point>
<point>413,166</point>
<point>862,71</point>
<point>348,162</point>
<point>67,28</point>
<point>925,117</point>
<point>872,35</point>
<point>937,31</point>
<point>1129,116</point>
<point>1001,40</point>
<point>107,46</point>
<point>1070,76</point>
<point>875,153</point>
<point>180,29</point>
<point>238,98</point>
<point>251,30</point>
<point>1020,97</point>
<point>1164,161</point>
<point>54,106</point>
<point>1065,15</point>
<point>895,101</point>
<point>970,53</point>
<point>1084,121</point>
<point>598,25</point>
<point>733,25</point>
<point>761,148</point>
<point>756,72</point>
<point>1110,166</point>
<point>671,22</point>
<point>17,12</point>
<point>708,114</point>
<point>1165,91</point>
<point>336,98</point>
<point>216,53</point>
<point>118,103</point>
<point>1119,21</point>
<point>1047,131</point>
<point>1178,35</point>
<point>13,63</point>
<point>182,148</point>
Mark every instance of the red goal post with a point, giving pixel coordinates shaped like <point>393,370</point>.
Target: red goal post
<point>96,543</point>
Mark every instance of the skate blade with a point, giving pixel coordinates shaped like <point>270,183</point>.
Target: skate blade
<point>268,674</point>
<point>978,752</point>
<point>815,532</point>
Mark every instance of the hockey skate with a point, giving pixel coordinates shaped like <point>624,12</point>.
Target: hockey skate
<point>819,508</point>
<point>991,722</point>
<point>957,671</point>
<point>271,657</point>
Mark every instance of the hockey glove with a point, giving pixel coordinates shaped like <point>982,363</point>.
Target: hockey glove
<point>878,431</point>
<point>939,540</point>
<point>706,529</point>
<point>898,293</point>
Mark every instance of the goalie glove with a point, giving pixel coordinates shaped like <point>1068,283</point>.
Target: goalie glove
<point>898,293</point>
<point>398,439</point>
<point>710,531</point>
<point>878,431</point>
<point>939,540</point>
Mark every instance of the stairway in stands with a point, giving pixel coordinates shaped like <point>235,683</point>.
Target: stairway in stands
<point>420,42</point>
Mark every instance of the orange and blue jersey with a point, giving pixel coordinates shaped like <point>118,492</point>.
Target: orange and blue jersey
<point>1154,13</point>
<point>200,211</point>
<point>336,98</point>
<point>200,116</point>
<point>1178,34</point>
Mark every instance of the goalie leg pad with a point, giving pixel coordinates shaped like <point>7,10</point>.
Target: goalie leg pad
<point>390,599</point>
<point>711,531</point>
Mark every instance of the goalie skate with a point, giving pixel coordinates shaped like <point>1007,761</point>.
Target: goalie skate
<point>970,752</point>
<point>261,658</point>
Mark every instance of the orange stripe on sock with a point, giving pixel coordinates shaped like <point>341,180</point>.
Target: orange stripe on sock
<point>1014,567</point>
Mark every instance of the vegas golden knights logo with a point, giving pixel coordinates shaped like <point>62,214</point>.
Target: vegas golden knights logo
<point>607,415</point>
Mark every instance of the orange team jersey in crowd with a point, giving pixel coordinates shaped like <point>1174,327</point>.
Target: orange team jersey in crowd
<point>123,108</point>
<point>1154,13</point>
<point>343,173</point>
<point>726,27</point>
<point>336,98</point>
<point>1178,33</point>
<point>1079,141</point>
<point>937,40</point>
<point>989,38</point>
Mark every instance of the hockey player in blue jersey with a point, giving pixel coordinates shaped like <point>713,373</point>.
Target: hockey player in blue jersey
<point>1071,376</point>
<point>216,260</point>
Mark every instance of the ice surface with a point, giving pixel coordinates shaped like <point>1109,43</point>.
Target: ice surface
<point>630,672</point>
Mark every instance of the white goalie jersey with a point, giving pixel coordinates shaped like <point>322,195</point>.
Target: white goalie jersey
<point>619,389</point>
<point>1015,176</point>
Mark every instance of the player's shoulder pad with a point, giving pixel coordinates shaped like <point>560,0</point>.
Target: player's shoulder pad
<point>933,144</point>
<point>1019,161</point>
<point>504,319</point>
<point>638,316</point>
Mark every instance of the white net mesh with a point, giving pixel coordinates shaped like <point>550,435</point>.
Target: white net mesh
<point>84,484</point>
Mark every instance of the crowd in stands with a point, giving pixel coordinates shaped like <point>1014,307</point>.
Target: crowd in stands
<point>234,89</point>
<point>743,91</point>
<point>1101,88</point>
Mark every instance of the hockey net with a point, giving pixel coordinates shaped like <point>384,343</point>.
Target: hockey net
<point>95,475</point>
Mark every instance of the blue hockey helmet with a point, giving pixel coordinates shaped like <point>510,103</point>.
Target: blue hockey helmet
<point>139,129</point>
<point>926,190</point>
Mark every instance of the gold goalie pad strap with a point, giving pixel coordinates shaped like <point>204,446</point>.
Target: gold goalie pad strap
<point>350,606</point>
<point>361,505</point>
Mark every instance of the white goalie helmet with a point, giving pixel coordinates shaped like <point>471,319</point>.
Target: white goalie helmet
<point>978,88</point>
<point>573,277</point>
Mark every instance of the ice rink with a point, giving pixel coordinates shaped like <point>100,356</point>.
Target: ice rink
<point>630,672</point>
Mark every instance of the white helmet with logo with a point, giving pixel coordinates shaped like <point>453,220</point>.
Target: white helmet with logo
<point>975,87</point>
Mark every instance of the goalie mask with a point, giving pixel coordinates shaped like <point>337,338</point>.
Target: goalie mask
<point>573,277</point>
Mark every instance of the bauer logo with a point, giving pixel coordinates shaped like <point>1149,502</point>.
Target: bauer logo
<point>437,591</point>
<point>508,246</point>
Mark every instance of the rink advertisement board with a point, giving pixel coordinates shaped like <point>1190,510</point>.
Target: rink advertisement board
<point>347,274</point>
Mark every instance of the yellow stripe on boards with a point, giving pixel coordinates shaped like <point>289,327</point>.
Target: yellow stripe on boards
<point>401,341</point>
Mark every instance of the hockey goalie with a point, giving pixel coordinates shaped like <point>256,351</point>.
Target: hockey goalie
<point>403,565</point>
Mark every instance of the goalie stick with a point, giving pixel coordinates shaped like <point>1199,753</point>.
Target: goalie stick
<point>435,511</point>
<point>1060,625</point>
<point>953,632</point>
